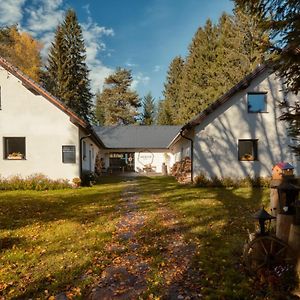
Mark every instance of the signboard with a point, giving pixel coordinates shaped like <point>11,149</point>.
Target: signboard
<point>146,158</point>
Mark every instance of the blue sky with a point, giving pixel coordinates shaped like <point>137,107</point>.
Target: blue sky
<point>141,35</point>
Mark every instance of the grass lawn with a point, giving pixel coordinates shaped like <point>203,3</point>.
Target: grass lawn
<point>54,241</point>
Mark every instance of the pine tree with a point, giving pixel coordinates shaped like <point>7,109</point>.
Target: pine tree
<point>148,110</point>
<point>117,103</point>
<point>196,90</point>
<point>164,113</point>
<point>67,73</point>
<point>219,57</point>
<point>172,88</point>
<point>22,50</point>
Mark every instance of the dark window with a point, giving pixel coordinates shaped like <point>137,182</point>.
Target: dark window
<point>248,150</point>
<point>257,102</point>
<point>14,148</point>
<point>68,154</point>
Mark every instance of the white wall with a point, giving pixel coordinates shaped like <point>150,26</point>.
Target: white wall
<point>45,127</point>
<point>89,157</point>
<point>155,157</point>
<point>216,139</point>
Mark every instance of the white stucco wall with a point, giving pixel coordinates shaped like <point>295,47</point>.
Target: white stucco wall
<point>45,127</point>
<point>216,139</point>
<point>89,157</point>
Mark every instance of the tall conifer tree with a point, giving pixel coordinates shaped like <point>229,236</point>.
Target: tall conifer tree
<point>172,88</point>
<point>148,110</point>
<point>67,73</point>
<point>117,104</point>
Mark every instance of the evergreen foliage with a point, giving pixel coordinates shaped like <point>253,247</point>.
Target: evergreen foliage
<point>21,50</point>
<point>219,56</point>
<point>117,103</point>
<point>171,91</point>
<point>164,113</point>
<point>66,76</point>
<point>148,110</point>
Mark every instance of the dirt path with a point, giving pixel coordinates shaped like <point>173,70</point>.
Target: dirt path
<point>133,272</point>
<point>125,278</point>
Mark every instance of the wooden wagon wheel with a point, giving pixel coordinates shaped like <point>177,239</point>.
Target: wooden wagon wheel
<point>267,252</point>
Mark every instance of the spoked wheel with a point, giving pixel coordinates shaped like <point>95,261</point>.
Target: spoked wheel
<point>267,252</point>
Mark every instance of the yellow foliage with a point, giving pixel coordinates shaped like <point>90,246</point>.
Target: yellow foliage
<point>23,52</point>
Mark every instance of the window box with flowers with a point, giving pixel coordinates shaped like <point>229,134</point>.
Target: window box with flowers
<point>15,156</point>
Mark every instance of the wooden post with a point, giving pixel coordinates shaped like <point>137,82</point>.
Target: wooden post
<point>283,225</point>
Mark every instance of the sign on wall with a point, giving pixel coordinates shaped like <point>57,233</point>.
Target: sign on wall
<point>145,157</point>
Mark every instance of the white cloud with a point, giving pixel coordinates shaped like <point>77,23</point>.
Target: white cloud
<point>11,11</point>
<point>139,79</point>
<point>41,17</point>
<point>157,68</point>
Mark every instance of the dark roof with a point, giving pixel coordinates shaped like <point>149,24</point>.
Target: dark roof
<point>35,87</point>
<point>243,84</point>
<point>137,136</point>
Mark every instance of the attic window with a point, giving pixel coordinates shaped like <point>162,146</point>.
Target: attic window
<point>247,150</point>
<point>257,102</point>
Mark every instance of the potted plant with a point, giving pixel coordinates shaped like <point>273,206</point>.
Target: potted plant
<point>15,155</point>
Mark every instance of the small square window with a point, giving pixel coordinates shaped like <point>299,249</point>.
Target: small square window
<point>69,154</point>
<point>247,150</point>
<point>14,148</point>
<point>257,102</point>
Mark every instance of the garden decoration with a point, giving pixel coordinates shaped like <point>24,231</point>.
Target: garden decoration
<point>265,250</point>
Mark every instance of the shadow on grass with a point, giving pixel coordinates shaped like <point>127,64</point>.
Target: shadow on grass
<point>215,221</point>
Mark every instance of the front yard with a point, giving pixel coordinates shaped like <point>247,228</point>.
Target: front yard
<point>189,239</point>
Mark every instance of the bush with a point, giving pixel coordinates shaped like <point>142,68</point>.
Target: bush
<point>202,180</point>
<point>37,182</point>
<point>88,179</point>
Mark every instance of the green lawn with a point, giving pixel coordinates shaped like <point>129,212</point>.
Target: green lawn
<point>54,241</point>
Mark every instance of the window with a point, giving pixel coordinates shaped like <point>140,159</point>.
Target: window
<point>14,148</point>
<point>247,150</point>
<point>257,102</point>
<point>68,154</point>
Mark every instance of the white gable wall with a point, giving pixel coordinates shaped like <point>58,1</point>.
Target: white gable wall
<point>45,127</point>
<point>216,139</point>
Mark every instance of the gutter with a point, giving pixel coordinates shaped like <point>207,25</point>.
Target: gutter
<point>192,151</point>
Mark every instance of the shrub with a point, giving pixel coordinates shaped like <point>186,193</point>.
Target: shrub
<point>202,180</point>
<point>88,178</point>
<point>37,182</point>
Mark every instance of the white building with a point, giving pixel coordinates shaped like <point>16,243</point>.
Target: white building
<point>38,133</point>
<point>137,148</point>
<point>240,134</point>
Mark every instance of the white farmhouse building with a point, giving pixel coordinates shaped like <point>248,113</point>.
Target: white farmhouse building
<point>240,134</point>
<point>137,148</point>
<point>38,133</point>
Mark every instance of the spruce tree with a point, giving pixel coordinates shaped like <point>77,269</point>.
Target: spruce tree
<point>219,57</point>
<point>164,116</point>
<point>117,103</point>
<point>67,73</point>
<point>172,88</point>
<point>148,110</point>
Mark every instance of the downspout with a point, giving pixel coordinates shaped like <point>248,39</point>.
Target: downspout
<point>80,153</point>
<point>192,152</point>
